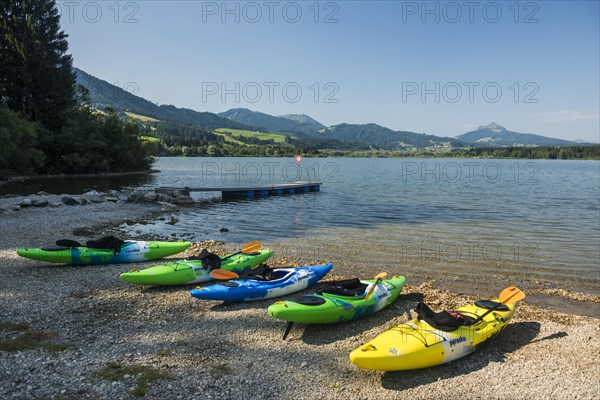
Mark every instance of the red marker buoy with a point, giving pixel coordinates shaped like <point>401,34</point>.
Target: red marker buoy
<point>298,158</point>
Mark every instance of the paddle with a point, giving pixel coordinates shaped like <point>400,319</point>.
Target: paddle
<point>250,247</point>
<point>223,274</point>
<point>378,279</point>
<point>511,293</point>
<point>259,272</point>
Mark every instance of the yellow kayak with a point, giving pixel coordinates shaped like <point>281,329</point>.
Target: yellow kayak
<point>417,344</point>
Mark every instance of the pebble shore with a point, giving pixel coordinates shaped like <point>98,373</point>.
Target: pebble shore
<point>87,334</point>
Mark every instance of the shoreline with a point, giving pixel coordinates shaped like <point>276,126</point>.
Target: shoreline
<point>26,178</point>
<point>568,301</point>
<point>107,335</point>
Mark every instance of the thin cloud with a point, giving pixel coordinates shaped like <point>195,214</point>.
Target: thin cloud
<point>566,116</point>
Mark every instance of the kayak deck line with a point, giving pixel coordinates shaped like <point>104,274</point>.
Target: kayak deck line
<point>258,190</point>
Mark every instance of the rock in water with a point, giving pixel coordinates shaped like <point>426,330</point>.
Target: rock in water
<point>136,197</point>
<point>150,196</point>
<point>185,200</point>
<point>95,198</point>
<point>69,200</point>
<point>39,203</point>
<point>25,203</point>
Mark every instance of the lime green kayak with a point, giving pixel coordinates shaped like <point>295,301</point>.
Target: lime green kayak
<point>342,301</point>
<point>131,251</point>
<point>191,271</point>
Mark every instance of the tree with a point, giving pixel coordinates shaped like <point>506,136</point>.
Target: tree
<point>18,136</point>
<point>36,77</point>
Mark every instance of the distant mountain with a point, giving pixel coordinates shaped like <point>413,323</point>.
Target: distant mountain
<point>586,142</point>
<point>381,137</point>
<point>494,135</point>
<point>269,123</point>
<point>104,94</point>
<point>303,119</point>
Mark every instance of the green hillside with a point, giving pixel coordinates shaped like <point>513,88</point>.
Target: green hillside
<point>269,123</point>
<point>261,136</point>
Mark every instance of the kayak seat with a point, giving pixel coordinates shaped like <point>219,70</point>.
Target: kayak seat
<point>469,320</point>
<point>261,272</point>
<point>68,243</point>
<point>443,320</point>
<point>308,300</point>
<point>256,277</point>
<point>229,283</point>
<point>107,242</point>
<point>489,304</point>
<point>349,287</point>
<point>254,253</point>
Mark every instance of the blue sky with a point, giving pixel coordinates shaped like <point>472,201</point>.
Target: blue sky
<point>436,67</point>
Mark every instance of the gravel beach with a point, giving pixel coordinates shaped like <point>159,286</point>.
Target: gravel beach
<point>99,337</point>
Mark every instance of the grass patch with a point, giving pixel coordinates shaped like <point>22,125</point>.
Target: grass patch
<point>145,375</point>
<point>229,139</point>
<point>221,369</point>
<point>277,137</point>
<point>150,139</point>
<point>14,326</point>
<point>33,340</point>
<point>165,353</point>
<point>142,118</point>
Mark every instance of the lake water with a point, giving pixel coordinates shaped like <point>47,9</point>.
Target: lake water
<point>469,221</point>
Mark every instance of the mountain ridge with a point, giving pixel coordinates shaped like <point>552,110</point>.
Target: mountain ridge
<point>495,135</point>
<point>103,93</point>
<point>302,126</point>
<point>268,122</point>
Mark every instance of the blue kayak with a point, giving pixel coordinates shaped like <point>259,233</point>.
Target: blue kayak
<point>281,281</point>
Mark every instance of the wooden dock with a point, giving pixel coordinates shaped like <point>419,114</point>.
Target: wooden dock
<point>251,192</point>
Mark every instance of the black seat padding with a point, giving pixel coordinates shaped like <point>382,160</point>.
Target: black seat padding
<point>349,287</point>
<point>489,304</point>
<point>309,300</point>
<point>68,243</point>
<point>210,261</point>
<point>443,320</point>
<point>261,272</point>
<point>107,242</point>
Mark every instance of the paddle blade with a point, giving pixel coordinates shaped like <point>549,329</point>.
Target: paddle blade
<point>511,294</point>
<point>381,276</point>
<point>252,247</point>
<point>223,274</point>
<point>378,278</point>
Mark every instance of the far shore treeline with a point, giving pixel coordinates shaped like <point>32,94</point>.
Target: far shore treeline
<point>49,125</point>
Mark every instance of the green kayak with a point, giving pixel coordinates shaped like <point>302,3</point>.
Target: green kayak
<point>130,251</point>
<point>191,271</point>
<point>339,301</point>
